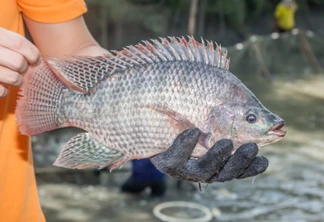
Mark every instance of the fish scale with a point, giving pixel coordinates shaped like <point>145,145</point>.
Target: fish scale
<point>134,102</point>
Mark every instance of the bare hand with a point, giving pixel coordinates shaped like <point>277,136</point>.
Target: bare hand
<point>17,54</point>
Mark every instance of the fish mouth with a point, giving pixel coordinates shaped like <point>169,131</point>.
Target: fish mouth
<point>277,129</point>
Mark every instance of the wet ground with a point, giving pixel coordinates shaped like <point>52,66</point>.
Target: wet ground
<point>292,189</point>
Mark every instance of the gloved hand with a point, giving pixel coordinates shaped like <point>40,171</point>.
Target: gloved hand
<point>216,165</point>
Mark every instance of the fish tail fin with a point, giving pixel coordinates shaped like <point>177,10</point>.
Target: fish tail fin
<point>38,107</point>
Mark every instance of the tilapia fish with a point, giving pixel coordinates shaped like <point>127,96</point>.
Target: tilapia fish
<point>133,103</point>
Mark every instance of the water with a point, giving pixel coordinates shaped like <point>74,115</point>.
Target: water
<point>292,189</point>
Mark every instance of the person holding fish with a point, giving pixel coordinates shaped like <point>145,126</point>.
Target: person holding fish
<point>58,30</point>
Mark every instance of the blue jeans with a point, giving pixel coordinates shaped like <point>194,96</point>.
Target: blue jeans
<point>144,170</point>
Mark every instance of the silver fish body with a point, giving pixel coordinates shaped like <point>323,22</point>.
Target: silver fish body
<point>132,112</point>
<point>136,111</point>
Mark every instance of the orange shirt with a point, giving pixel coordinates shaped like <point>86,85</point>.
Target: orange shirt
<point>18,191</point>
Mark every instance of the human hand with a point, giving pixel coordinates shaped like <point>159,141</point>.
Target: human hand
<point>17,54</point>
<point>217,165</point>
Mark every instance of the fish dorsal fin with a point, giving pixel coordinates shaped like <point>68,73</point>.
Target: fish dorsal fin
<point>84,72</point>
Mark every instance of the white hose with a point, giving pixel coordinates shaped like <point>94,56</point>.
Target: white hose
<point>158,208</point>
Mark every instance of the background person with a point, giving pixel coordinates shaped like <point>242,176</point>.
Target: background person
<point>285,15</point>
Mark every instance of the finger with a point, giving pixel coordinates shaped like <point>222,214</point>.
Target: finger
<point>185,143</point>
<point>237,163</point>
<point>19,44</point>
<point>202,169</point>
<point>13,60</point>
<point>3,91</point>
<point>182,146</point>
<point>10,77</point>
<point>259,165</point>
<point>179,152</point>
<point>214,160</point>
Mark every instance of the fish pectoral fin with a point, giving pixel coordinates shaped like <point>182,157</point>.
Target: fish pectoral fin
<point>82,152</point>
<point>204,139</point>
<point>180,122</point>
<point>177,120</point>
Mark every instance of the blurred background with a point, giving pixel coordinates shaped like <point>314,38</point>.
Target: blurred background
<point>283,68</point>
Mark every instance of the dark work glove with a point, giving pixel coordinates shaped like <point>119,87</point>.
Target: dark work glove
<point>216,165</point>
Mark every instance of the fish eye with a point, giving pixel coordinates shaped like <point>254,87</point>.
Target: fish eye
<point>251,118</point>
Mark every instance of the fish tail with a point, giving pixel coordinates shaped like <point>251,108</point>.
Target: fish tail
<point>38,107</point>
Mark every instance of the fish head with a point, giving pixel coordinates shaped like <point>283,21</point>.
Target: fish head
<point>257,125</point>
<point>244,123</point>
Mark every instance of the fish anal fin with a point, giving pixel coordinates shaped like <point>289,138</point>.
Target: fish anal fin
<point>83,73</point>
<point>63,78</point>
<point>82,152</point>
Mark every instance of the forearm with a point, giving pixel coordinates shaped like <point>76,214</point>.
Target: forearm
<point>63,39</point>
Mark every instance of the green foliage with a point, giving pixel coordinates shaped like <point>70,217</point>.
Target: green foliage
<point>235,13</point>
<point>177,4</point>
<point>317,2</point>
<point>255,7</point>
<point>238,12</point>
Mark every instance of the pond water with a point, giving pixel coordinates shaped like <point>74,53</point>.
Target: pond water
<point>292,189</point>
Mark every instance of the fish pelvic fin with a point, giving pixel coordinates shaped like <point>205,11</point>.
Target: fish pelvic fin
<point>82,73</point>
<point>82,152</point>
<point>38,107</point>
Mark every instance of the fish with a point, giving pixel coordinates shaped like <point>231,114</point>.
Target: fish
<point>133,103</point>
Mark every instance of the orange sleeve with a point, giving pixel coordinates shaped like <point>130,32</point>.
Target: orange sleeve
<point>52,11</point>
